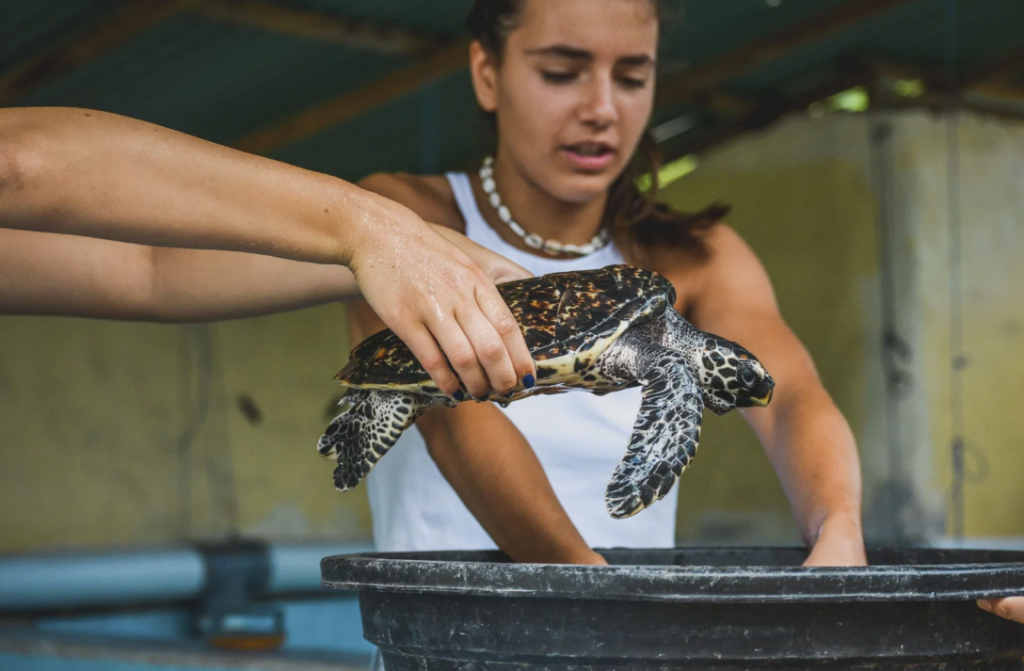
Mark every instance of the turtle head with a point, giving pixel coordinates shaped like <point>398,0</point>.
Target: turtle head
<point>732,377</point>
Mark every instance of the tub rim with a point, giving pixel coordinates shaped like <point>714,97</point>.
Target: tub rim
<point>977,574</point>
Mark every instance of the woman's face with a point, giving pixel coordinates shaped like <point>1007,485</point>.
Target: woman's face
<point>573,93</point>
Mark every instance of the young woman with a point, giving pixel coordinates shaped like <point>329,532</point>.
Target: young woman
<point>112,217</point>
<point>570,85</point>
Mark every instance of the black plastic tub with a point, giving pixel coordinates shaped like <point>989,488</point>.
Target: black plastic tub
<point>687,608</point>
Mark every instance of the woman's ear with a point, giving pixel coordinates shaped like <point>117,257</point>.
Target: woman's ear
<point>484,70</point>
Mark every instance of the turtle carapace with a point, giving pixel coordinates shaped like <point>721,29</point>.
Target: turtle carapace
<point>593,330</point>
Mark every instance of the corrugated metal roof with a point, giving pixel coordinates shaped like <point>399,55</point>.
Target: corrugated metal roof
<point>223,81</point>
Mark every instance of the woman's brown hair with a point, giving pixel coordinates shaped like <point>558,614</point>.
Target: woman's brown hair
<point>635,218</point>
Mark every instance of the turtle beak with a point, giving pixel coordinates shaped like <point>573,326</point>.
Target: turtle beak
<point>767,389</point>
<point>763,400</point>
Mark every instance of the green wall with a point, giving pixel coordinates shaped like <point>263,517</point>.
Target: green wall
<point>801,199</point>
<point>91,423</point>
<point>988,251</point>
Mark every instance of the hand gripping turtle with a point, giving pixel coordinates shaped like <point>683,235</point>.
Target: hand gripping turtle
<point>595,330</point>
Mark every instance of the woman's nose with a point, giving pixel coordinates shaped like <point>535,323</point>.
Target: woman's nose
<point>599,108</point>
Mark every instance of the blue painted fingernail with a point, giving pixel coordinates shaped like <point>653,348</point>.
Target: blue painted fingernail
<point>458,395</point>
<point>529,382</point>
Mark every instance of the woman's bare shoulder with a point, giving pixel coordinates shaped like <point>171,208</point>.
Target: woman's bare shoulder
<point>429,196</point>
<point>691,271</point>
<point>719,244</point>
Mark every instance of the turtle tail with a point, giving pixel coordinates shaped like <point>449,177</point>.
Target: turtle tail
<point>370,423</point>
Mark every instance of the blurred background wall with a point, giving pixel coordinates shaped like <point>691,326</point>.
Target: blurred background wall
<point>126,434</point>
<point>801,197</point>
<point>814,198</point>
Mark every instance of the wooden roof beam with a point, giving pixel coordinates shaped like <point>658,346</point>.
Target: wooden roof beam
<point>1013,94</point>
<point>50,64</point>
<point>853,73</point>
<point>764,114</point>
<point>1001,71</point>
<point>426,70</point>
<point>993,80</point>
<point>938,103</point>
<point>319,26</point>
<point>972,93</point>
<point>690,84</point>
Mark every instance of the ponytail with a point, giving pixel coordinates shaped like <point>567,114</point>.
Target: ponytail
<point>638,222</point>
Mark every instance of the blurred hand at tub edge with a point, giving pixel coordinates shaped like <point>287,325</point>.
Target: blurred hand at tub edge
<point>1011,608</point>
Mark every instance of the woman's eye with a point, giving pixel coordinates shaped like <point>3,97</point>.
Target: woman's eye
<point>558,77</point>
<point>633,82</point>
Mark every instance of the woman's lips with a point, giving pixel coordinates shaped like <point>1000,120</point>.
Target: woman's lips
<point>589,162</point>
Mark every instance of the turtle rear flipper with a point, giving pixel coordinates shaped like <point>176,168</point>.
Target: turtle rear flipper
<point>665,434</point>
<point>370,423</point>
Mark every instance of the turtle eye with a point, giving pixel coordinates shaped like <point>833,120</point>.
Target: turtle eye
<point>748,377</point>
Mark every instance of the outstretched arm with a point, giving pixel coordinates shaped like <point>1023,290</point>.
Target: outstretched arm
<point>56,274</point>
<point>100,175</point>
<point>805,436</point>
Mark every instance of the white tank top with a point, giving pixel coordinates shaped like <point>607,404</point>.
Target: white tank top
<point>578,437</point>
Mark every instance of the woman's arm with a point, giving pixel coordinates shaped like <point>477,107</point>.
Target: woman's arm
<point>806,437</point>
<point>100,175</point>
<point>56,274</point>
<point>496,473</point>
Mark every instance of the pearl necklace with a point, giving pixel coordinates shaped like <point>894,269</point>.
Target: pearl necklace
<point>532,239</point>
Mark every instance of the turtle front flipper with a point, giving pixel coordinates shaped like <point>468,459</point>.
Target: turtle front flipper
<point>666,431</point>
<point>370,423</point>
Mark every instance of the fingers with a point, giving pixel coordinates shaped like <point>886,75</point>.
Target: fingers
<point>445,304</point>
<point>835,549</point>
<point>490,350</point>
<point>506,327</point>
<point>494,265</point>
<point>1011,608</point>
<point>502,270</point>
<point>462,356</point>
<point>484,344</point>
<point>427,352</point>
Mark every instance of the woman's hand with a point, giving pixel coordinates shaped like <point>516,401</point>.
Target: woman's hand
<point>496,266</point>
<point>1012,608</point>
<point>839,543</point>
<point>432,294</point>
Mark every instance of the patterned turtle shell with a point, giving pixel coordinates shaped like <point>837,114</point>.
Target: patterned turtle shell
<point>562,316</point>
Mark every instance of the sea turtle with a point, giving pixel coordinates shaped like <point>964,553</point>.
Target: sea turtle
<point>595,330</point>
